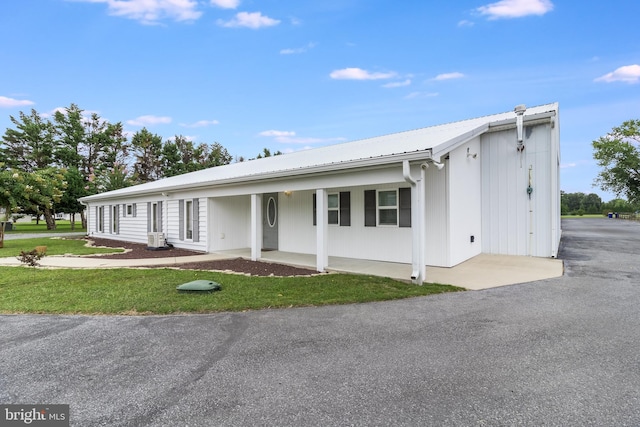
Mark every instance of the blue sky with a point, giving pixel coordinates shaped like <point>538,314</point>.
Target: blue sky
<point>294,74</point>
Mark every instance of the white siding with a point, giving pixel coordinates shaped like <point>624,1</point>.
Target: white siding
<point>383,243</point>
<point>230,222</point>
<point>513,223</point>
<point>437,217</point>
<point>465,202</point>
<point>298,234</point>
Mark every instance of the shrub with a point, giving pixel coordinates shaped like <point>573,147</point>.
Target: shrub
<point>30,258</point>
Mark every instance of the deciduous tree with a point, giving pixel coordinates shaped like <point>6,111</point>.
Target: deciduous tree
<point>618,155</point>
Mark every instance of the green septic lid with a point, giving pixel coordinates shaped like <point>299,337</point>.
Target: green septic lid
<point>199,285</point>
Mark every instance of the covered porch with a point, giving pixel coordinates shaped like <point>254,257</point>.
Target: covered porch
<point>483,271</point>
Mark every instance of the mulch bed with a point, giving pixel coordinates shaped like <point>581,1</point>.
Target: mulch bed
<point>238,265</point>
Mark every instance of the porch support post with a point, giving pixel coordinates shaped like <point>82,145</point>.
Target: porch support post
<point>256,226</point>
<point>322,228</point>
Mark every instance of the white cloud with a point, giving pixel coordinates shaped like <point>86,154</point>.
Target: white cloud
<point>152,11</point>
<point>465,23</point>
<point>397,84</point>
<point>627,74</point>
<point>226,4</point>
<point>149,120</point>
<point>6,102</point>
<point>568,165</point>
<point>417,95</point>
<point>289,137</point>
<point>253,20</point>
<point>200,123</point>
<point>359,74</point>
<point>277,133</point>
<point>297,50</point>
<point>448,76</point>
<point>515,8</point>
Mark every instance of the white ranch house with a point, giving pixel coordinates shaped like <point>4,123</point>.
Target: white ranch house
<point>435,196</point>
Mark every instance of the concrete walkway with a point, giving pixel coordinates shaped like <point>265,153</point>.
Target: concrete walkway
<point>481,272</point>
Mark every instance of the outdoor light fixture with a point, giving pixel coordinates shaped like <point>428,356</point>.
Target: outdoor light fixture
<point>287,193</point>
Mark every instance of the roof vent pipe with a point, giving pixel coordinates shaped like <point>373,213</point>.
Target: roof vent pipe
<point>519,110</point>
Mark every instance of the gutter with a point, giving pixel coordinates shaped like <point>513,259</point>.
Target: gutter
<point>328,168</point>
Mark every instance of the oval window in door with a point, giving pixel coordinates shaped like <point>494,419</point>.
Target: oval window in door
<point>272,213</point>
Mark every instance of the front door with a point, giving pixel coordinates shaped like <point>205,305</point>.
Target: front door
<point>270,221</point>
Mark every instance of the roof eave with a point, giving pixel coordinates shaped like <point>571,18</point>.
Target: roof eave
<point>336,167</point>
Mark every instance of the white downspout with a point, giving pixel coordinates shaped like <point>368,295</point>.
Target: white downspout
<point>417,223</point>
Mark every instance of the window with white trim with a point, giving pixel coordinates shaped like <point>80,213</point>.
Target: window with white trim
<point>154,217</point>
<point>387,207</point>
<point>188,223</point>
<point>338,208</point>
<point>115,210</point>
<point>333,208</point>
<point>100,219</point>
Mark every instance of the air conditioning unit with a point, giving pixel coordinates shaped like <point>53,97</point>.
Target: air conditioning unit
<point>155,240</point>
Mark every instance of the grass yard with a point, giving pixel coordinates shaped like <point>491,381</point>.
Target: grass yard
<point>62,226</point>
<point>153,291</point>
<point>55,246</point>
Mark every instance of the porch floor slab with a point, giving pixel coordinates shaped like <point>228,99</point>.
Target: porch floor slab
<point>481,272</point>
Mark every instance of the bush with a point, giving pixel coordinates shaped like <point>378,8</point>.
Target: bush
<point>30,258</point>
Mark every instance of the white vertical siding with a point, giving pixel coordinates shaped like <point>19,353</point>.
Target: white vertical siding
<point>465,202</point>
<point>437,217</point>
<point>513,223</point>
<point>297,232</point>
<point>230,222</point>
<point>383,243</point>
<point>541,198</point>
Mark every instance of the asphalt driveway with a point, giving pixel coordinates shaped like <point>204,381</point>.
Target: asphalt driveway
<point>555,352</point>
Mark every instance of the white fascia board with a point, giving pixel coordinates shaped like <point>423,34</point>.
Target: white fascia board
<point>454,143</point>
<point>530,120</point>
<point>497,126</point>
<point>331,168</point>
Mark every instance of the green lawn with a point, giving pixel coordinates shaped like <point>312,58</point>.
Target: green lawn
<point>55,246</point>
<point>61,227</point>
<point>153,291</point>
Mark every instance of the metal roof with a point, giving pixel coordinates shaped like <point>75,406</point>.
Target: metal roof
<point>420,143</point>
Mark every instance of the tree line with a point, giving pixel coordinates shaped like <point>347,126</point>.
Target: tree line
<point>581,204</point>
<point>47,164</point>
